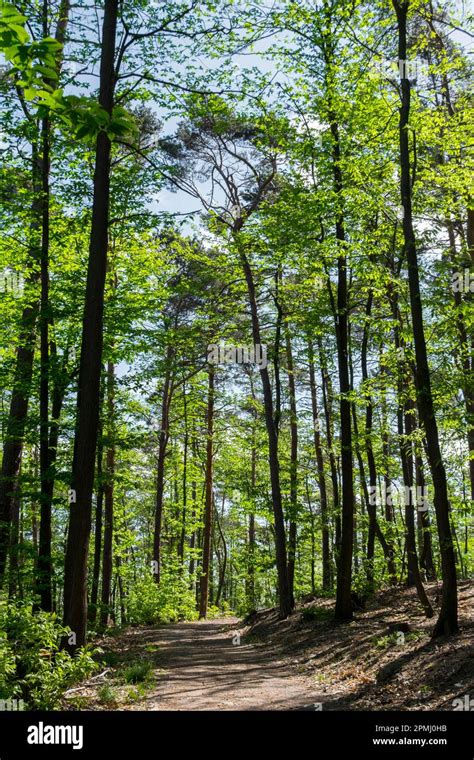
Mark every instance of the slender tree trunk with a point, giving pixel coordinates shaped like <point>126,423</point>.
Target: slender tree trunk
<point>292,534</point>
<point>447,622</point>
<point>426,546</point>
<point>223,568</point>
<point>107,559</point>
<point>406,451</point>
<point>326,388</point>
<point>374,526</point>
<point>182,539</point>
<point>206,549</point>
<point>284,596</point>
<point>44,567</point>
<point>326,547</point>
<point>43,579</point>
<point>13,441</point>
<point>192,542</point>
<point>387,501</point>
<point>313,540</point>
<point>160,471</point>
<point>250,585</point>
<point>343,609</point>
<point>22,377</point>
<point>75,576</point>
<point>97,533</point>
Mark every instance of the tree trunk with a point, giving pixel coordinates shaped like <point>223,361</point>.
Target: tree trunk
<point>206,548</point>
<point>13,441</point>
<point>182,539</point>
<point>343,609</point>
<point>44,577</point>
<point>374,527</point>
<point>326,547</point>
<point>447,622</point>
<point>387,506</point>
<point>284,596</point>
<point>97,534</point>
<point>43,580</point>
<point>426,547</point>
<point>326,388</point>
<point>160,471</point>
<point>107,559</point>
<point>44,567</point>
<point>222,571</point>
<point>250,580</point>
<point>405,417</point>
<point>22,377</point>
<point>292,535</point>
<point>75,576</point>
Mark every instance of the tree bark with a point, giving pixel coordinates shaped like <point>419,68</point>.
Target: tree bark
<point>97,533</point>
<point>75,576</point>
<point>284,596</point>
<point>326,547</point>
<point>207,534</point>
<point>292,534</point>
<point>107,559</point>
<point>160,471</point>
<point>326,388</point>
<point>447,622</point>
<point>343,609</point>
<point>426,546</point>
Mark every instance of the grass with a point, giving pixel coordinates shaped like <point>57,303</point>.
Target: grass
<point>152,648</point>
<point>107,694</point>
<point>137,672</point>
<point>396,639</point>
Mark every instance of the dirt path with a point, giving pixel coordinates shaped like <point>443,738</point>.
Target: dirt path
<point>200,666</point>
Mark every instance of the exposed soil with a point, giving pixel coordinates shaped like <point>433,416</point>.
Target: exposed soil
<point>295,664</point>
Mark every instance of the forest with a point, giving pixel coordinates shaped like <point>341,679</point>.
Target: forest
<point>236,341</point>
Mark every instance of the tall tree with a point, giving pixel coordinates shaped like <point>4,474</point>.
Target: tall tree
<point>209,502</point>
<point>75,570</point>
<point>447,622</point>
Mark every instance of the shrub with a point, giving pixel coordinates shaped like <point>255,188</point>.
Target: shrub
<point>168,602</point>
<point>33,667</point>
<point>107,695</point>
<point>213,612</point>
<point>317,614</point>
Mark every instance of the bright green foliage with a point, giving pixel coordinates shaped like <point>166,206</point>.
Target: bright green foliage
<point>167,603</point>
<point>34,668</point>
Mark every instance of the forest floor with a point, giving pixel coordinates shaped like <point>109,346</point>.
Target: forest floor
<point>304,663</point>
